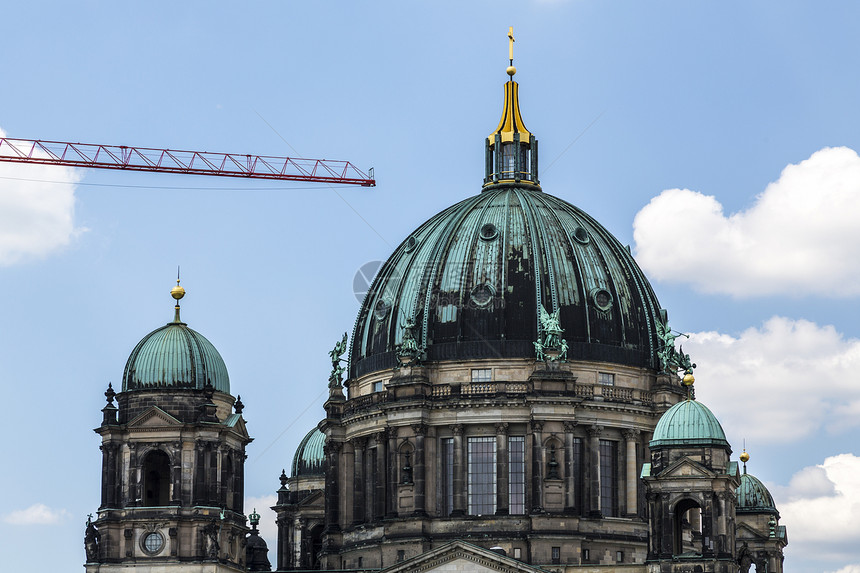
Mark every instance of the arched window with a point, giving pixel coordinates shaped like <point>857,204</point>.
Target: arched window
<point>156,479</point>
<point>228,483</point>
<point>687,528</point>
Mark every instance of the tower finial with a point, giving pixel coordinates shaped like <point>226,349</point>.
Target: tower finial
<point>745,457</point>
<point>177,293</point>
<point>511,69</point>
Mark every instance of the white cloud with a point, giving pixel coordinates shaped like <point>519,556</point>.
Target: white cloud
<point>36,514</point>
<point>36,218</point>
<point>768,382</point>
<point>825,522</point>
<point>799,237</point>
<point>268,529</point>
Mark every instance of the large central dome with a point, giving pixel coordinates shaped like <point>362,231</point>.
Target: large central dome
<point>473,278</point>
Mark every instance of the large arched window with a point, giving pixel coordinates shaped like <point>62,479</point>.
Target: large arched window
<point>156,479</point>
<point>687,528</point>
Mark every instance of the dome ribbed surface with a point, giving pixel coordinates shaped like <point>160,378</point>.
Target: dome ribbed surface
<point>753,496</point>
<point>474,277</point>
<point>688,423</point>
<point>175,356</point>
<point>310,456</point>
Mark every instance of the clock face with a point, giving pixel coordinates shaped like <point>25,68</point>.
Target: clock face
<point>153,542</point>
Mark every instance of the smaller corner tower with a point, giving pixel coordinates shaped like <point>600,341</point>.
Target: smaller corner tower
<point>173,455</point>
<point>690,491</point>
<point>761,540</point>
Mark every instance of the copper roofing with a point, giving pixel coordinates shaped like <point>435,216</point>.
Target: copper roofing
<point>474,277</point>
<point>175,356</point>
<point>309,457</point>
<point>688,423</point>
<point>753,496</point>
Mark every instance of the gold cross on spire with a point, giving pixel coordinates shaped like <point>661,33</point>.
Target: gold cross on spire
<point>511,44</point>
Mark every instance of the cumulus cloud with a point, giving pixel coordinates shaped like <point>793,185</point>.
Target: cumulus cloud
<point>268,529</point>
<point>779,369</point>
<point>36,514</point>
<point>824,522</point>
<point>36,218</point>
<point>800,236</point>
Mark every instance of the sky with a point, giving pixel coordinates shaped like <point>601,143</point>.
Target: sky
<point>718,139</point>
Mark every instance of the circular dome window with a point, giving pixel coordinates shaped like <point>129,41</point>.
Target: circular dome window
<point>482,294</point>
<point>381,309</point>
<point>411,243</point>
<point>152,543</point>
<point>581,235</point>
<point>489,232</point>
<point>602,299</point>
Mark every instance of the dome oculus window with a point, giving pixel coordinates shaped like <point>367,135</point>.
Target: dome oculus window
<point>482,295</point>
<point>581,235</point>
<point>602,299</point>
<point>152,543</point>
<point>380,311</point>
<point>411,243</point>
<point>489,232</point>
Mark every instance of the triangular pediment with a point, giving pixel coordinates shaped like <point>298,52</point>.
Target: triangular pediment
<point>746,532</point>
<point>237,423</point>
<point>686,468</point>
<point>154,417</point>
<point>460,556</point>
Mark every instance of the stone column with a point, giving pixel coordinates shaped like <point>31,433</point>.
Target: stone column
<point>569,468</point>
<point>393,464</point>
<point>630,437</point>
<point>537,466</point>
<point>133,477</point>
<point>592,471</point>
<point>459,471</point>
<point>332,483</point>
<point>358,445</point>
<point>502,472</point>
<point>420,477</point>
<point>381,478</point>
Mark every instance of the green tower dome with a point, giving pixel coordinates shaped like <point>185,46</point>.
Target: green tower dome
<point>310,457</point>
<point>175,356</point>
<point>688,423</point>
<point>753,496</point>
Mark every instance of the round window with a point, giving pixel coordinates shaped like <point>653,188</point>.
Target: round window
<point>153,542</point>
<point>581,235</point>
<point>602,299</point>
<point>489,232</point>
<point>411,243</point>
<point>482,294</point>
<point>381,309</point>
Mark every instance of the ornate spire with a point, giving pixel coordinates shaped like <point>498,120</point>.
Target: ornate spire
<point>511,150</point>
<point>177,293</point>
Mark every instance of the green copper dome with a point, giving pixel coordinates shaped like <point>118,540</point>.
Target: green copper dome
<point>688,423</point>
<point>309,457</point>
<point>753,497</point>
<point>175,356</point>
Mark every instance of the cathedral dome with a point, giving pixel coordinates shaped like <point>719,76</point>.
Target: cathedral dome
<point>753,496</point>
<point>688,423</point>
<point>175,356</point>
<point>474,277</point>
<point>310,457</point>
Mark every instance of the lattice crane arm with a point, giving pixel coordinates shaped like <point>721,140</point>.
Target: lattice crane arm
<point>178,161</point>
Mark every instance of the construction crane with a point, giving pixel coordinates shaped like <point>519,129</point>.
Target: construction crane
<point>177,161</point>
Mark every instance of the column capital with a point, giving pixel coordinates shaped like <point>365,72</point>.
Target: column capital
<point>420,429</point>
<point>594,430</point>
<point>502,429</point>
<point>457,429</point>
<point>630,433</point>
<point>359,442</point>
<point>570,426</point>
<point>536,425</point>
<point>381,435</point>
<point>332,447</point>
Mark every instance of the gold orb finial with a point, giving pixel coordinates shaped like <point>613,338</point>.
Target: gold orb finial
<point>745,457</point>
<point>511,71</point>
<point>688,379</point>
<point>177,292</point>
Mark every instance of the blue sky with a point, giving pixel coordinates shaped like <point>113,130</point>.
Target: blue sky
<point>717,139</point>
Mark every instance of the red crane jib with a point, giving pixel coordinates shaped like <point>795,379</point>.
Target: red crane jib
<point>177,161</point>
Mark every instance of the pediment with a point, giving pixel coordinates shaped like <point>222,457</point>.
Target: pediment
<point>237,423</point>
<point>686,468</point>
<point>154,417</point>
<point>746,532</point>
<point>460,556</point>
<point>316,498</point>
